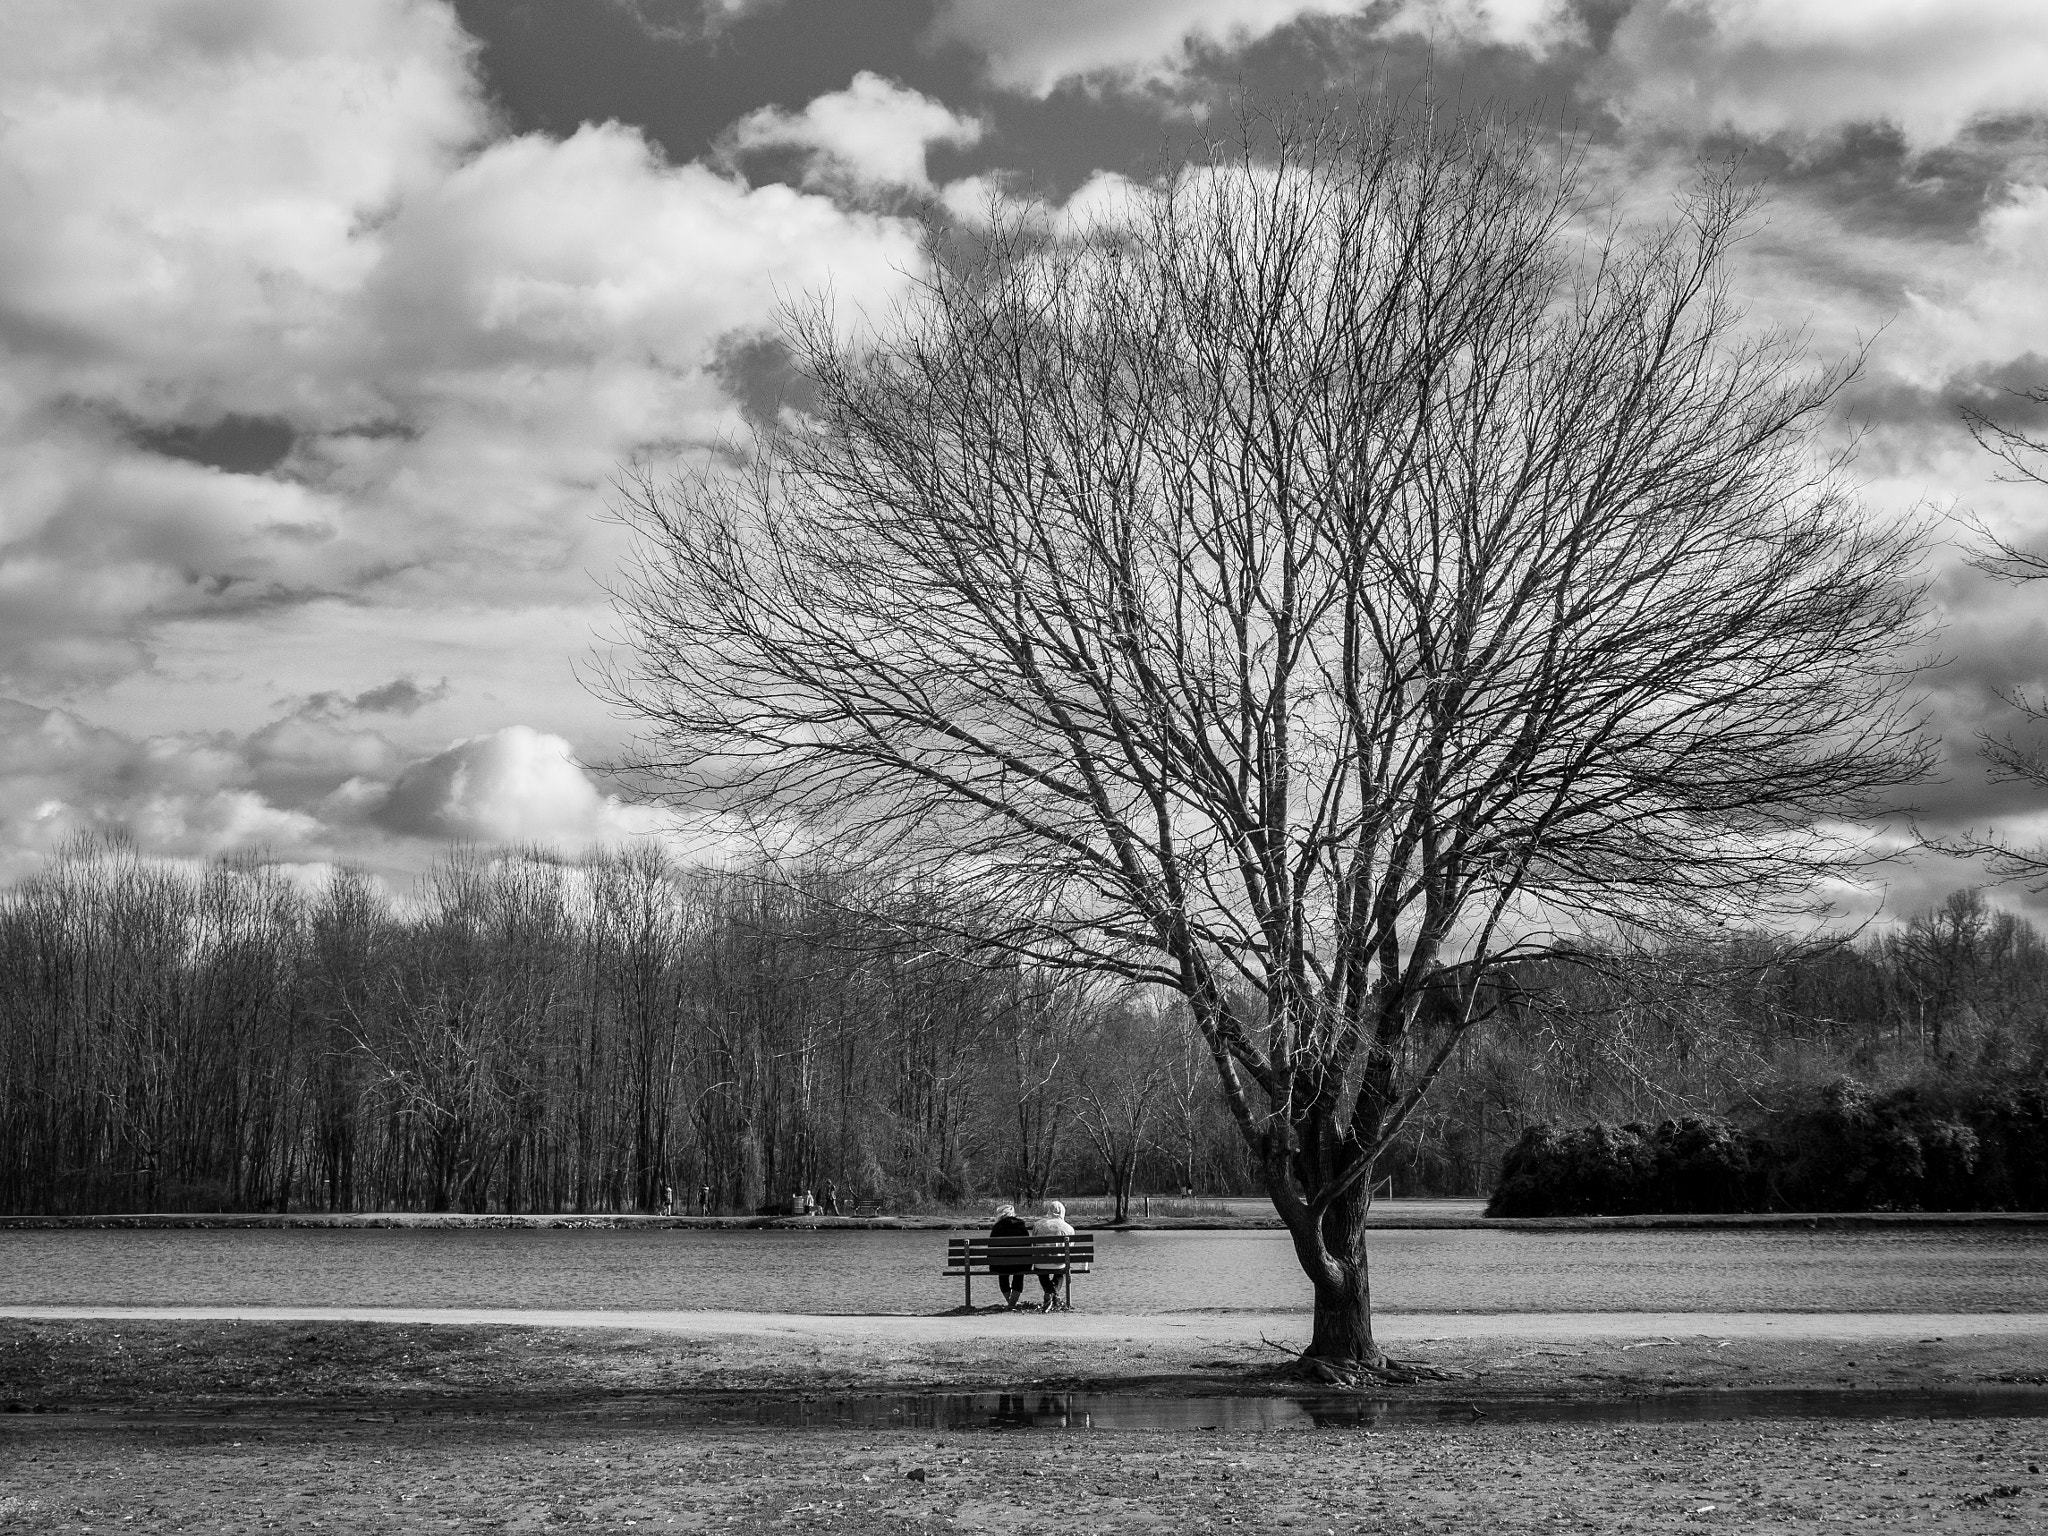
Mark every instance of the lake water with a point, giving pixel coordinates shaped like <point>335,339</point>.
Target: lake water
<point>1953,1269</point>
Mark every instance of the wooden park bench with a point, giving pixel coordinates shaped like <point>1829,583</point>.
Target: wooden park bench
<point>867,1207</point>
<point>971,1256</point>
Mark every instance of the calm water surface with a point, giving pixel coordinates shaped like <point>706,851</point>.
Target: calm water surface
<point>1927,1269</point>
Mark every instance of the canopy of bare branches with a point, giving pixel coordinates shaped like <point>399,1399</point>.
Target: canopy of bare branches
<point>1293,587</point>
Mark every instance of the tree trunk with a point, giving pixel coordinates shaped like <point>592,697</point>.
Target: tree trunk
<point>1332,1252</point>
<point>1343,1326</point>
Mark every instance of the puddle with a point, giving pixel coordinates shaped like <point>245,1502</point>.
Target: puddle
<point>1108,1410</point>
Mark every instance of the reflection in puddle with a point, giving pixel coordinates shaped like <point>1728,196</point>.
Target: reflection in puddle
<point>1310,1410</point>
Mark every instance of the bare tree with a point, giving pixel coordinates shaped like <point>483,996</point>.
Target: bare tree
<point>1128,1072</point>
<point>1309,585</point>
<point>1186,1104</point>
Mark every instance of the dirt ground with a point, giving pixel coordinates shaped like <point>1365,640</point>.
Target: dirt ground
<point>1885,1475</point>
<point>246,1426</point>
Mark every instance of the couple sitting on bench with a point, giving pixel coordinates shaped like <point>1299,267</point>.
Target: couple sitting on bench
<point>1009,1273</point>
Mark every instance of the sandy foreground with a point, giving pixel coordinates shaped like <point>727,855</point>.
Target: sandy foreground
<point>346,1420</point>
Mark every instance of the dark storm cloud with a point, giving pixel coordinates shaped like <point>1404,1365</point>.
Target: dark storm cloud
<point>1907,429</point>
<point>690,21</point>
<point>758,372</point>
<point>1872,181</point>
<point>1351,56</point>
<point>400,696</point>
<point>241,445</point>
<point>554,64</point>
<point>1998,390</point>
<point>1991,653</point>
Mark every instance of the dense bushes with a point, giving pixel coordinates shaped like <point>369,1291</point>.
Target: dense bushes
<point>1922,1146</point>
<point>1840,1146</point>
<point>1694,1164</point>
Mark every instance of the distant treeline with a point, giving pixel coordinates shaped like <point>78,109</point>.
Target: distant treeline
<point>1952,1005</point>
<point>532,1034</point>
<point>528,1033</point>
<point>1909,1072</point>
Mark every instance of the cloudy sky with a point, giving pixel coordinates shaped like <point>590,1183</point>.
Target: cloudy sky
<point>324,325</point>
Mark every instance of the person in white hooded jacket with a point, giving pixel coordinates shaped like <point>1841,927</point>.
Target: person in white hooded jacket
<point>1052,1224</point>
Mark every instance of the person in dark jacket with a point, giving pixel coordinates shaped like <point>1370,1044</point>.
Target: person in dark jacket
<point>1010,1273</point>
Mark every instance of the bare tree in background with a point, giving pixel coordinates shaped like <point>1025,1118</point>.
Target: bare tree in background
<point>1318,580</point>
<point>1126,1076</point>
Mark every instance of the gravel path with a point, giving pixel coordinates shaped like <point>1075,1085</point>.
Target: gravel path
<point>1178,1327</point>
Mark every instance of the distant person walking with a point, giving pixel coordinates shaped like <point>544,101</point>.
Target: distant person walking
<point>1052,1224</point>
<point>704,1200</point>
<point>668,1199</point>
<point>1010,1272</point>
<point>831,1197</point>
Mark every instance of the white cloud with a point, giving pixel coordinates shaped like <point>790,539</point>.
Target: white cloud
<point>1106,200</point>
<point>517,785</point>
<point>298,213</point>
<point>186,795</point>
<point>317,784</point>
<point>1769,67</point>
<point>874,131</point>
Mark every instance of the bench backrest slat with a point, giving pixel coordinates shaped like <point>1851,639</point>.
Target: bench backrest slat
<point>979,1246</point>
<point>980,1253</point>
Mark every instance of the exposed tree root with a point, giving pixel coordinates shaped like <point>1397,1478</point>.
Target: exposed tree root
<point>1357,1375</point>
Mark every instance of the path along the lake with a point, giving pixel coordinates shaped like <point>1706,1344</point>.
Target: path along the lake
<point>1219,1328</point>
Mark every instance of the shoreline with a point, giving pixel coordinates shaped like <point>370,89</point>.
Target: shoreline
<point>1395,1221</point>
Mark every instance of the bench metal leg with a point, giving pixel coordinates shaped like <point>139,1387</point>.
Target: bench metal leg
<point>970,1288</point>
